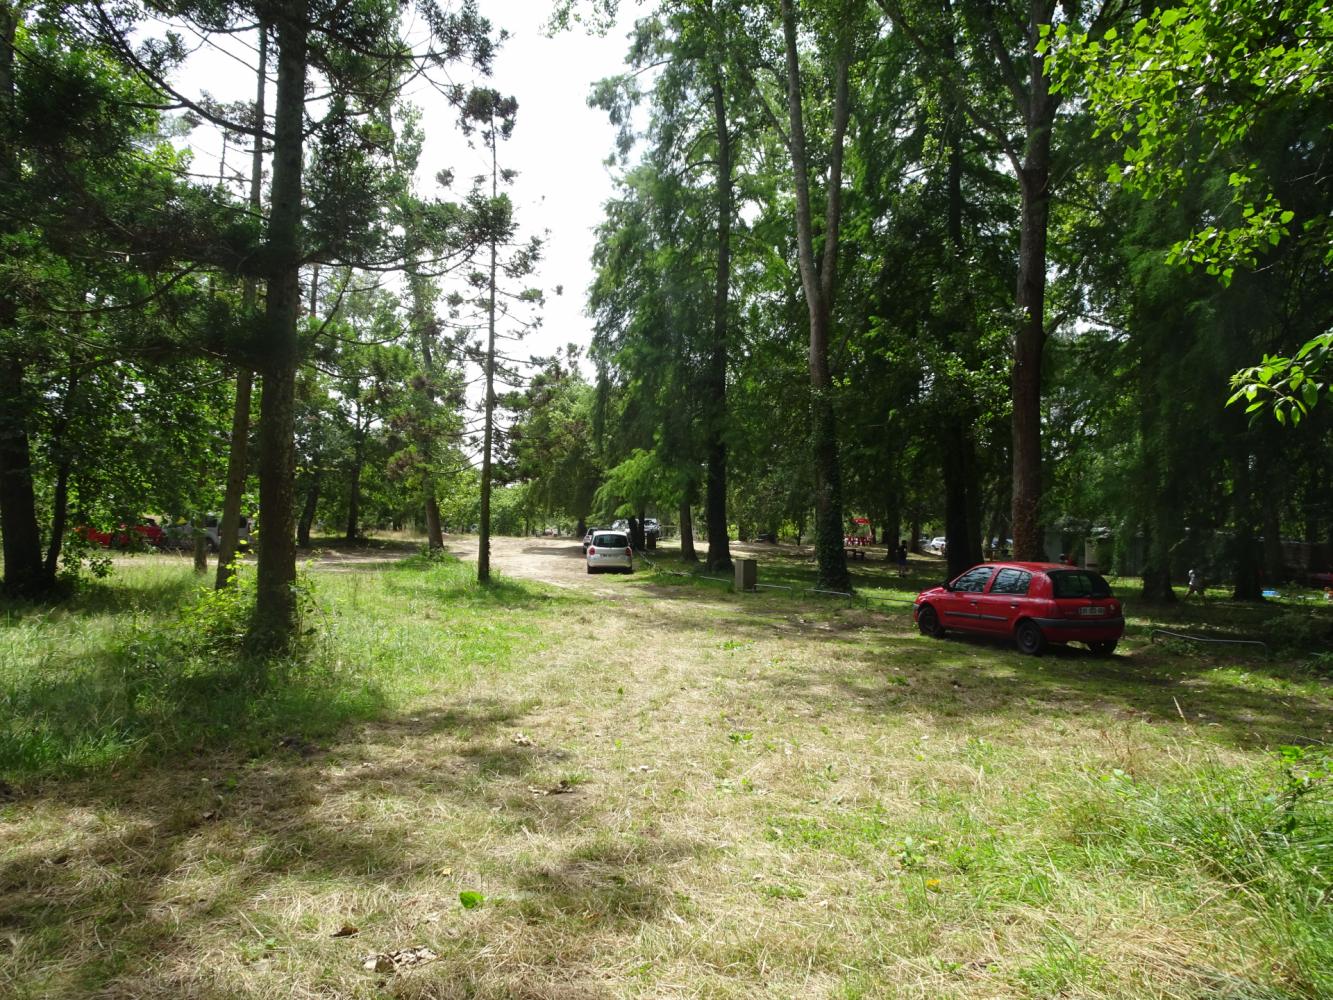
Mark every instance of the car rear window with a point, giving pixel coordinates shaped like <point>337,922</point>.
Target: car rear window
<point>1078,583</point>
<point>1011,581</point>
<point>610,541</point>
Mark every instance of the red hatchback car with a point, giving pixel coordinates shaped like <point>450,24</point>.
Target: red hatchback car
<point>1032,603</point>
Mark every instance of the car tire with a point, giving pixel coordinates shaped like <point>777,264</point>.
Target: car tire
<point>928,621</point>
<point>1104,648</point>
<point>1029,638</point>
<point>589,569</point>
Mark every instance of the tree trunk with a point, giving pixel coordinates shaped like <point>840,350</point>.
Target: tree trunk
<point>687,553</point>
<point>23,571</point>
<point>237,470</point>
<point>353,533</point>
<point>60,499</point>
<point>237,459</point>
<point>308,510</point>
<point>59,516</point>
<point>275,616</point>
<point>818,281</point>
<point>434,536</point>
<point>715,392</point>
<point>960,524</point>
<point>1246,558</point>
<point>484,541</point>
<point>200,547</point>
<point>24,575</point>
<point>1030,337</point>
<point>1028,347</point>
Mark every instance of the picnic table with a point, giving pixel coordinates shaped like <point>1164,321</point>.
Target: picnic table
<point>855,546</point>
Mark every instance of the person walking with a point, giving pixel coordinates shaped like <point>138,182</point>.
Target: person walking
<point>902,557</point>
<point>1196,584</point>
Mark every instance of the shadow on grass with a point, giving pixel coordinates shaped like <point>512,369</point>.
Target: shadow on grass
<point>98,913</point>
<point>878,663</point>
<point>131,703</point>
<point>139,902</point>
<point>92,598</point>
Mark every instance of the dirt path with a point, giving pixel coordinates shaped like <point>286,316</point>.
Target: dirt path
<point>557,561</point>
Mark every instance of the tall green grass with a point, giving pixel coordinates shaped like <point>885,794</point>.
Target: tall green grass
<point>150,663</point>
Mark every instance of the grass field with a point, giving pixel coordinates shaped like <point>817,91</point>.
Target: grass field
<point>647,787</point>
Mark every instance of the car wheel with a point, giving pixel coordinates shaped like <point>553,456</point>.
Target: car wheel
<point>1029,638</point>
<point>589,568</point>
<point>928,621</point>
<point>1105,648</point>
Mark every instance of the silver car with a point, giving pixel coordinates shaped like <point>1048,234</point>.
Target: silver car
<point>610,550</point>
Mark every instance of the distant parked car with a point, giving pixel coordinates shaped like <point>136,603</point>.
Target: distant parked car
<point>1033,603</point>
<point>939,545</point>
<point>651,529</point>
<point>125,536</point>
<point>610,550</point>
<point>181,535</point>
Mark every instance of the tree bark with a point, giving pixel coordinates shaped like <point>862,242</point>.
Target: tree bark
<point>687,553</point>
<point>353,533</point>
<point>237,459</point>
<point>24,575</point>
<point>308,510</point>
<point>484,541</point>
<point>1246,558</point>
<point>961,528</point>
<point>23,571</point>
<point>818,283</point>
<point>715,391</point>
<point>60,499</point>
<point>1030,337</point>
<point>275,616</point>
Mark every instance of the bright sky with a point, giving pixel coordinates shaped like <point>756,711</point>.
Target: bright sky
<point>558,147</point>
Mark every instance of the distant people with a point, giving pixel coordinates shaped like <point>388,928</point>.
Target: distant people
<point>902,557</point>
<point>1196,584</point>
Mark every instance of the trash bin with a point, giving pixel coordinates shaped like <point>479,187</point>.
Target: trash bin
<point>650,541</point>
<point>747,574</point>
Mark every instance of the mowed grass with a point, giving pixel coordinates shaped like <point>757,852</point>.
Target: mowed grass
<point>645,788</point>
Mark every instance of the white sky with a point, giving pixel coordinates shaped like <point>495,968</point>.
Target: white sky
<point>558,147</point>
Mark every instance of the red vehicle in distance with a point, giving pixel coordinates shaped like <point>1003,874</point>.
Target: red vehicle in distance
<point>142,535</point>
<point>1034,604</point>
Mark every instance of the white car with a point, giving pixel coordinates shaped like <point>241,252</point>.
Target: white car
<point>939,545</point>
<point>610,550</point>
<point>181,534</point>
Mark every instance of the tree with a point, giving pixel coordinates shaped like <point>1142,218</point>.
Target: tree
<point>331,215</point>
<point>1188,87</point>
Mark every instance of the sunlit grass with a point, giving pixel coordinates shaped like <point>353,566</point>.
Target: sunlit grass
<point>651,787</point>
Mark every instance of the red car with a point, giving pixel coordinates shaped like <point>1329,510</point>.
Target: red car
<point>1032,603</point>
<point>145,533</point>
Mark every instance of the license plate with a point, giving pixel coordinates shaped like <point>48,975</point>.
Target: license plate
<point>1092,612</point>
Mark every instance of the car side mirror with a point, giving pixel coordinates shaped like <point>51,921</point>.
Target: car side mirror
<point>947,585</point>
